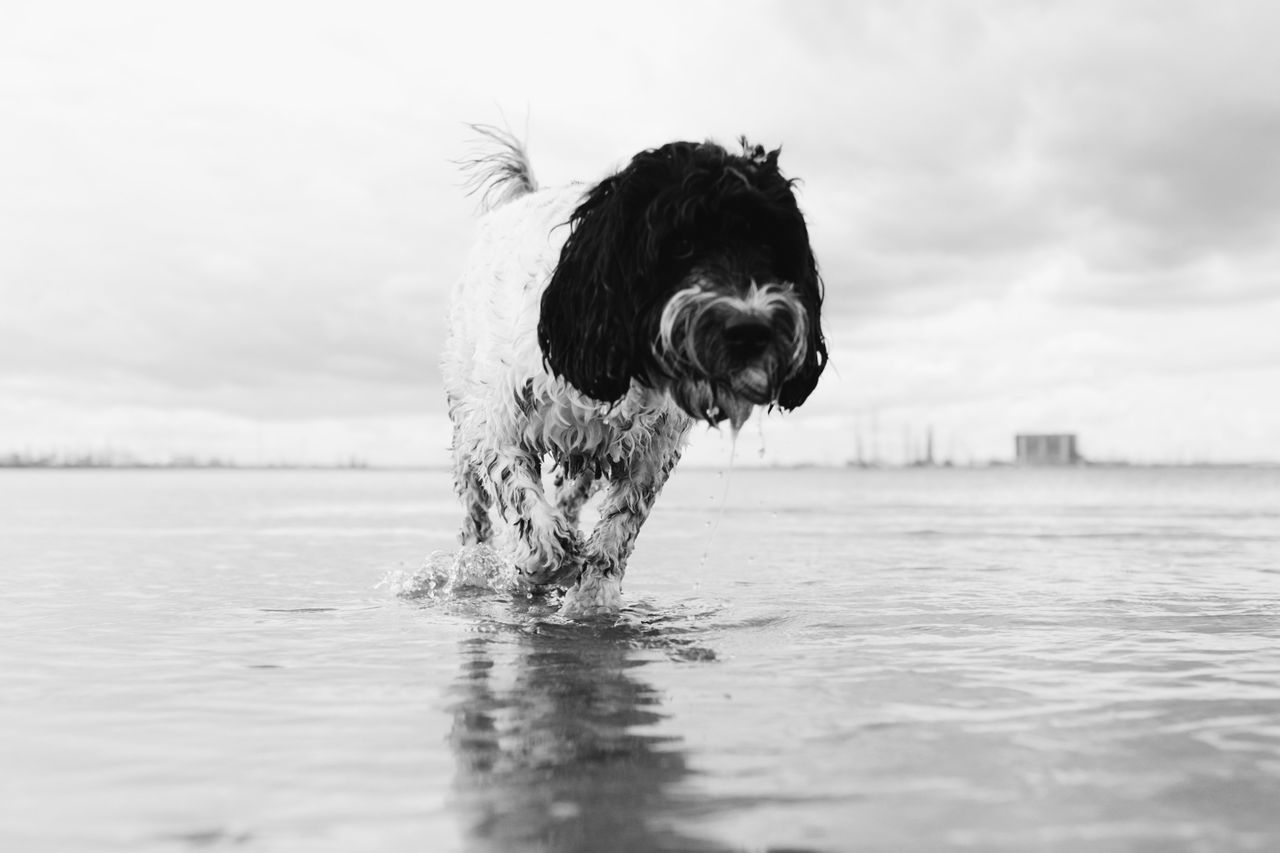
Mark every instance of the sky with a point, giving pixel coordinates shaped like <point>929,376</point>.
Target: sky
<point>230,229</point>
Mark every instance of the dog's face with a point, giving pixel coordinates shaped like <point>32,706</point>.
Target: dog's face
<point>689,271</point>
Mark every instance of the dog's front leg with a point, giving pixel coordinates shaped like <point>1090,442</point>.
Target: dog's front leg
<point>572,492</point>
<point>631,495</point>
<point>547,546</point>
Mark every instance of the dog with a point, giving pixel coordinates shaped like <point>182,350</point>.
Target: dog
<point>595,324</point>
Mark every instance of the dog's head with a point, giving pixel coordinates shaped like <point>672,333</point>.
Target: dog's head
<point>690,271</point>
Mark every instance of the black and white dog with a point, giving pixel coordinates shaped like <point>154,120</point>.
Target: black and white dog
<point>595,324</point>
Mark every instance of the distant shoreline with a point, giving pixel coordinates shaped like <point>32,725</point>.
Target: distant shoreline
<point>6,465</point>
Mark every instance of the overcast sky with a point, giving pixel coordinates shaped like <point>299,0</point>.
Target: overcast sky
<point>230,228</point>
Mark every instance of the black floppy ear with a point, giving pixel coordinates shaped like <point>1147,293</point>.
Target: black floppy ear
<point>587,328</point>
<point>797,266</point>
<point>800,385</point>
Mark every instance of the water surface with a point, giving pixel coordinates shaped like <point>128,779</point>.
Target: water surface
<point>857,660</point>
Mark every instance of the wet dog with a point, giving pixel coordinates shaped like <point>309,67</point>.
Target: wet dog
<point>595,324</point>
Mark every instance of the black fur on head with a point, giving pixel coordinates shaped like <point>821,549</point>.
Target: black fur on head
<point>717,229</point>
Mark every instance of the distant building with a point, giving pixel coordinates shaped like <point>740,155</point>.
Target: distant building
<point>1048,449</point>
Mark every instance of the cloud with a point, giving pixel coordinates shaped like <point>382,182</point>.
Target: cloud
<point>248,213</point>
<point>978,138</point>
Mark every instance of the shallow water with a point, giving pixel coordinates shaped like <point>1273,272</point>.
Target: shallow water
<point>865,660</point>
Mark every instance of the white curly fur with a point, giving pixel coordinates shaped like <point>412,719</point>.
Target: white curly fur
<point>508,413</point>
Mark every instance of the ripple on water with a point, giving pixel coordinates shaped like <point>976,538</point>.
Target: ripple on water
<point>477,585</point>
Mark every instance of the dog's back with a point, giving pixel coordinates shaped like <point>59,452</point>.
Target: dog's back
<point>494,306</point>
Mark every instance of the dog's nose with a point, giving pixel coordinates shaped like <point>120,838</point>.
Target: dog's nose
<point>747,337</point>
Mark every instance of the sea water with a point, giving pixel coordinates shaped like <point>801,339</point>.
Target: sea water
<point>944,659</point>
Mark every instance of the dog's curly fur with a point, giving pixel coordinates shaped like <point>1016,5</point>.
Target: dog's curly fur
<point>595,324</point>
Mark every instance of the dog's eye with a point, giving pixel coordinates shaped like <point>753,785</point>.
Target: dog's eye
<point>682,247</point>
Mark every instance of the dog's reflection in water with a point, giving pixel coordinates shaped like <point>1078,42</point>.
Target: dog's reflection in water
<point>556,746</point>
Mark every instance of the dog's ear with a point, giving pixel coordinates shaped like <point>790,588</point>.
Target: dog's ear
<point>797,388</point>
<point>588,325</point>
<point>800,269</point>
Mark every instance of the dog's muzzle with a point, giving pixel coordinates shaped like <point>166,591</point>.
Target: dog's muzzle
<point>724,353</point>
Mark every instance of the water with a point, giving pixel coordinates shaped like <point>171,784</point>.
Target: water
<point>899,660</point>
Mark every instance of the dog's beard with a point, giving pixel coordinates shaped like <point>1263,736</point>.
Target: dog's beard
<point>710,375</point>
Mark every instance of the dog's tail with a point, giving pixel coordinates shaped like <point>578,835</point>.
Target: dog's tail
<point>498,169</point>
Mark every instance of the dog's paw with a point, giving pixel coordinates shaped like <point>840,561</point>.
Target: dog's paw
<point>595,594</point>
<point>551,559</point>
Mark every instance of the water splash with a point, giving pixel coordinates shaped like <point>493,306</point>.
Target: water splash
<point>447,574</point>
